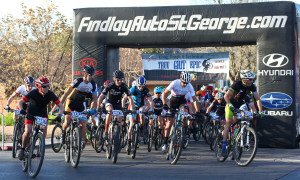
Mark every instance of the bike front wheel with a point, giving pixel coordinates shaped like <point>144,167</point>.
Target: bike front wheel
<point>176,145</point>
<point>99,141</point>
<point>36,155</point>
<point>56,138</point>
<point>116,143</point>
<point>75,146</point>
<point>135,139</point>
<point>17,140</point>
<point>245,147</point>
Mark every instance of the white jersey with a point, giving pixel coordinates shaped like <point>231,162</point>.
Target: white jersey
<point>22,90</point>
<point>177,90</point>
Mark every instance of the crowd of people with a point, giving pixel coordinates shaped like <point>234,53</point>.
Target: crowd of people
<point>116,95</point>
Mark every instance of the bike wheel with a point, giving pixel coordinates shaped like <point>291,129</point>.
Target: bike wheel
<point>56,138</point>
<point>158,141</point>
<point>67,147</point>
<point>150,138</point>
<point>109,144</point>
<point>16,142</point>
<point>36,155</point>
<point>25,164</point>
<point>99,141</point>
<point>186,139</point>
<point>214,138</point>
<point>197,134</point>
<point>218,148</point>
<point>176,145</point>
<point>146,133</point>
<point>243,155</point>
<point>75,146</point>
<point>206,133</point>
<point>135,139</point>
<point>116,143</point>
<point>124,135</point>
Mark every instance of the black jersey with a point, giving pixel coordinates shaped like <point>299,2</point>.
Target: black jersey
<point>241,91</point>
<point>114,93</point>
<point>158,104</point>
<point>38,103</point>
<point>219,108</point>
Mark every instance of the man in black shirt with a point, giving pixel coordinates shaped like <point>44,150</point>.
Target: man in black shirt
<point>38,100</point>
<point>113,93</point>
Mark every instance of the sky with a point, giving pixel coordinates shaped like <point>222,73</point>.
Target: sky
<point>66,6</point>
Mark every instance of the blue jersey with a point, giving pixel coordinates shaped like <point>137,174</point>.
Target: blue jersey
<point>139,96</point>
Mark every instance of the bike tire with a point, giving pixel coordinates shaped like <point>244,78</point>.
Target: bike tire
<point>150,138</point>
<point>99,141</point>
<point>158,141</point>
<point>16,140</point>
<point>146,133</point>
<point>214,138</point>
<point>176,145</point>
<point>197,134</point>
<point>116,143</point>
<point>135,140</point>
<point>25,164</point>
<point>243,156</point>
<point>75,146</point>
<point>186,138</point>
<point>38,145</point>
<point>56,138</point>
<point>124,135</point>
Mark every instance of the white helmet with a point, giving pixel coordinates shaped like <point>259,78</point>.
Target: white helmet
<point>133,83</point>
<point>219,95</point>
<point>185,76</point>
<point>226,88</point>
<point>246,74</point>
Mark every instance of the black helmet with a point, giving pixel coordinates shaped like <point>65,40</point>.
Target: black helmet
<point>87,69</point>
<point>118,74</point>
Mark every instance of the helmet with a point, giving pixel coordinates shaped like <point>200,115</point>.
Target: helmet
<point>118,74</point>
<point>106,83</point>
<point>29,80</point>
<point>42,81</point>
<point>226,88</point>
<point>198,93</point>
<point>87,69</point>
<point>157,89</point>
<point>215,92</point>
<point>210,88</point>
<point>133,83</point>
<point>246,74</point>
<point>141,81</point>
<point>219,95</point>
<point>185,76</point>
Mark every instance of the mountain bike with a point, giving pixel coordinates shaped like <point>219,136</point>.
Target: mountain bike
<point>73,138</point>
<point>217,129</point>
<point>154,136</point>
<point>90,132</point>
<point>113,144</point>
<point>242,141</point>
<point>131,147</point>
<point>99,135</point>
<point>124,133</point>
<point>176,137</point>
<point>35,150</point>
<point>18,131</point>
<point>56,137</point>
<point>196,128</point>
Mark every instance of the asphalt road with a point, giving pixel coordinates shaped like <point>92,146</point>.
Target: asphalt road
<point>196,162</point>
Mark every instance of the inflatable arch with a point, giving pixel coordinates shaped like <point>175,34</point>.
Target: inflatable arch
<point>272,26</point>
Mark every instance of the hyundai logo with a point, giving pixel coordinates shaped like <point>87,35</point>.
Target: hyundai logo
<point>275,60</point>
<point>276,100</point>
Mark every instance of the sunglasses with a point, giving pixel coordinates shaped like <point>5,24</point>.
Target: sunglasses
<point>158,93</point>
<point>184,82</point>
<point>120,80</point>
<point>141,86</point>
<point>45,86</point>
<point>250,79</point>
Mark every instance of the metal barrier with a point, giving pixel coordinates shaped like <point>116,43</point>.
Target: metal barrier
<point>3,124</point>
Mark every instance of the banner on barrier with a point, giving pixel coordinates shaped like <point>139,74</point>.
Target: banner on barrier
<point>203,66</point>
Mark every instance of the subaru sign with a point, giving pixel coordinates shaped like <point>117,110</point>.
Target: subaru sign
<point>276,100</point>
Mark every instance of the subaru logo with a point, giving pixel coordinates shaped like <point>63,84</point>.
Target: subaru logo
<point>276,100</point>
<point>275,60</point>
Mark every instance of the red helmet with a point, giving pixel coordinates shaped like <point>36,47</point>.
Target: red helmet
<point>210,88</point>
<point>42,81</point>
<point>106,82</point>
<point>215,92</point>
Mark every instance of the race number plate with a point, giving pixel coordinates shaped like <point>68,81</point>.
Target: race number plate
<point>41,121</point>
<point>17,112</point>
<point>117,113</point>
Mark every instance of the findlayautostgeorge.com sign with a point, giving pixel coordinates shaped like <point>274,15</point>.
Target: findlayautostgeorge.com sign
<point>203,66</point>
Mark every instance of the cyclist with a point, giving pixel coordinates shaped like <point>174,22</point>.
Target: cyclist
<point>237,95</point>
<point>113,93</point>
<point>208,96</point>
<point>218,105</point>
<point>38,100</point>
<point>158,107</point>
<point>23,90</point>
<point>178,88</point>
<point>75,97</point>
<point>140,95</point>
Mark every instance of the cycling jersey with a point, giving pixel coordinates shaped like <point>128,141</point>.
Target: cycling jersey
<point>209,97</point>
<point>38,104</point>
<point>114,93</point>
<point>139,96</point>
<point>22,90</point>
<point>158,105</point>
<point>242,93</point>
<point>178,90</point>
<point>219,108</point>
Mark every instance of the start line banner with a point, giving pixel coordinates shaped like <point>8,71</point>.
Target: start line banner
<point>203,66</point>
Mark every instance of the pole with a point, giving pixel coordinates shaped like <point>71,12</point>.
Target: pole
<point>2,131</point>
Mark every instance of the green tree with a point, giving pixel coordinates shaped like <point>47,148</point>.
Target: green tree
<point>37,44</point>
